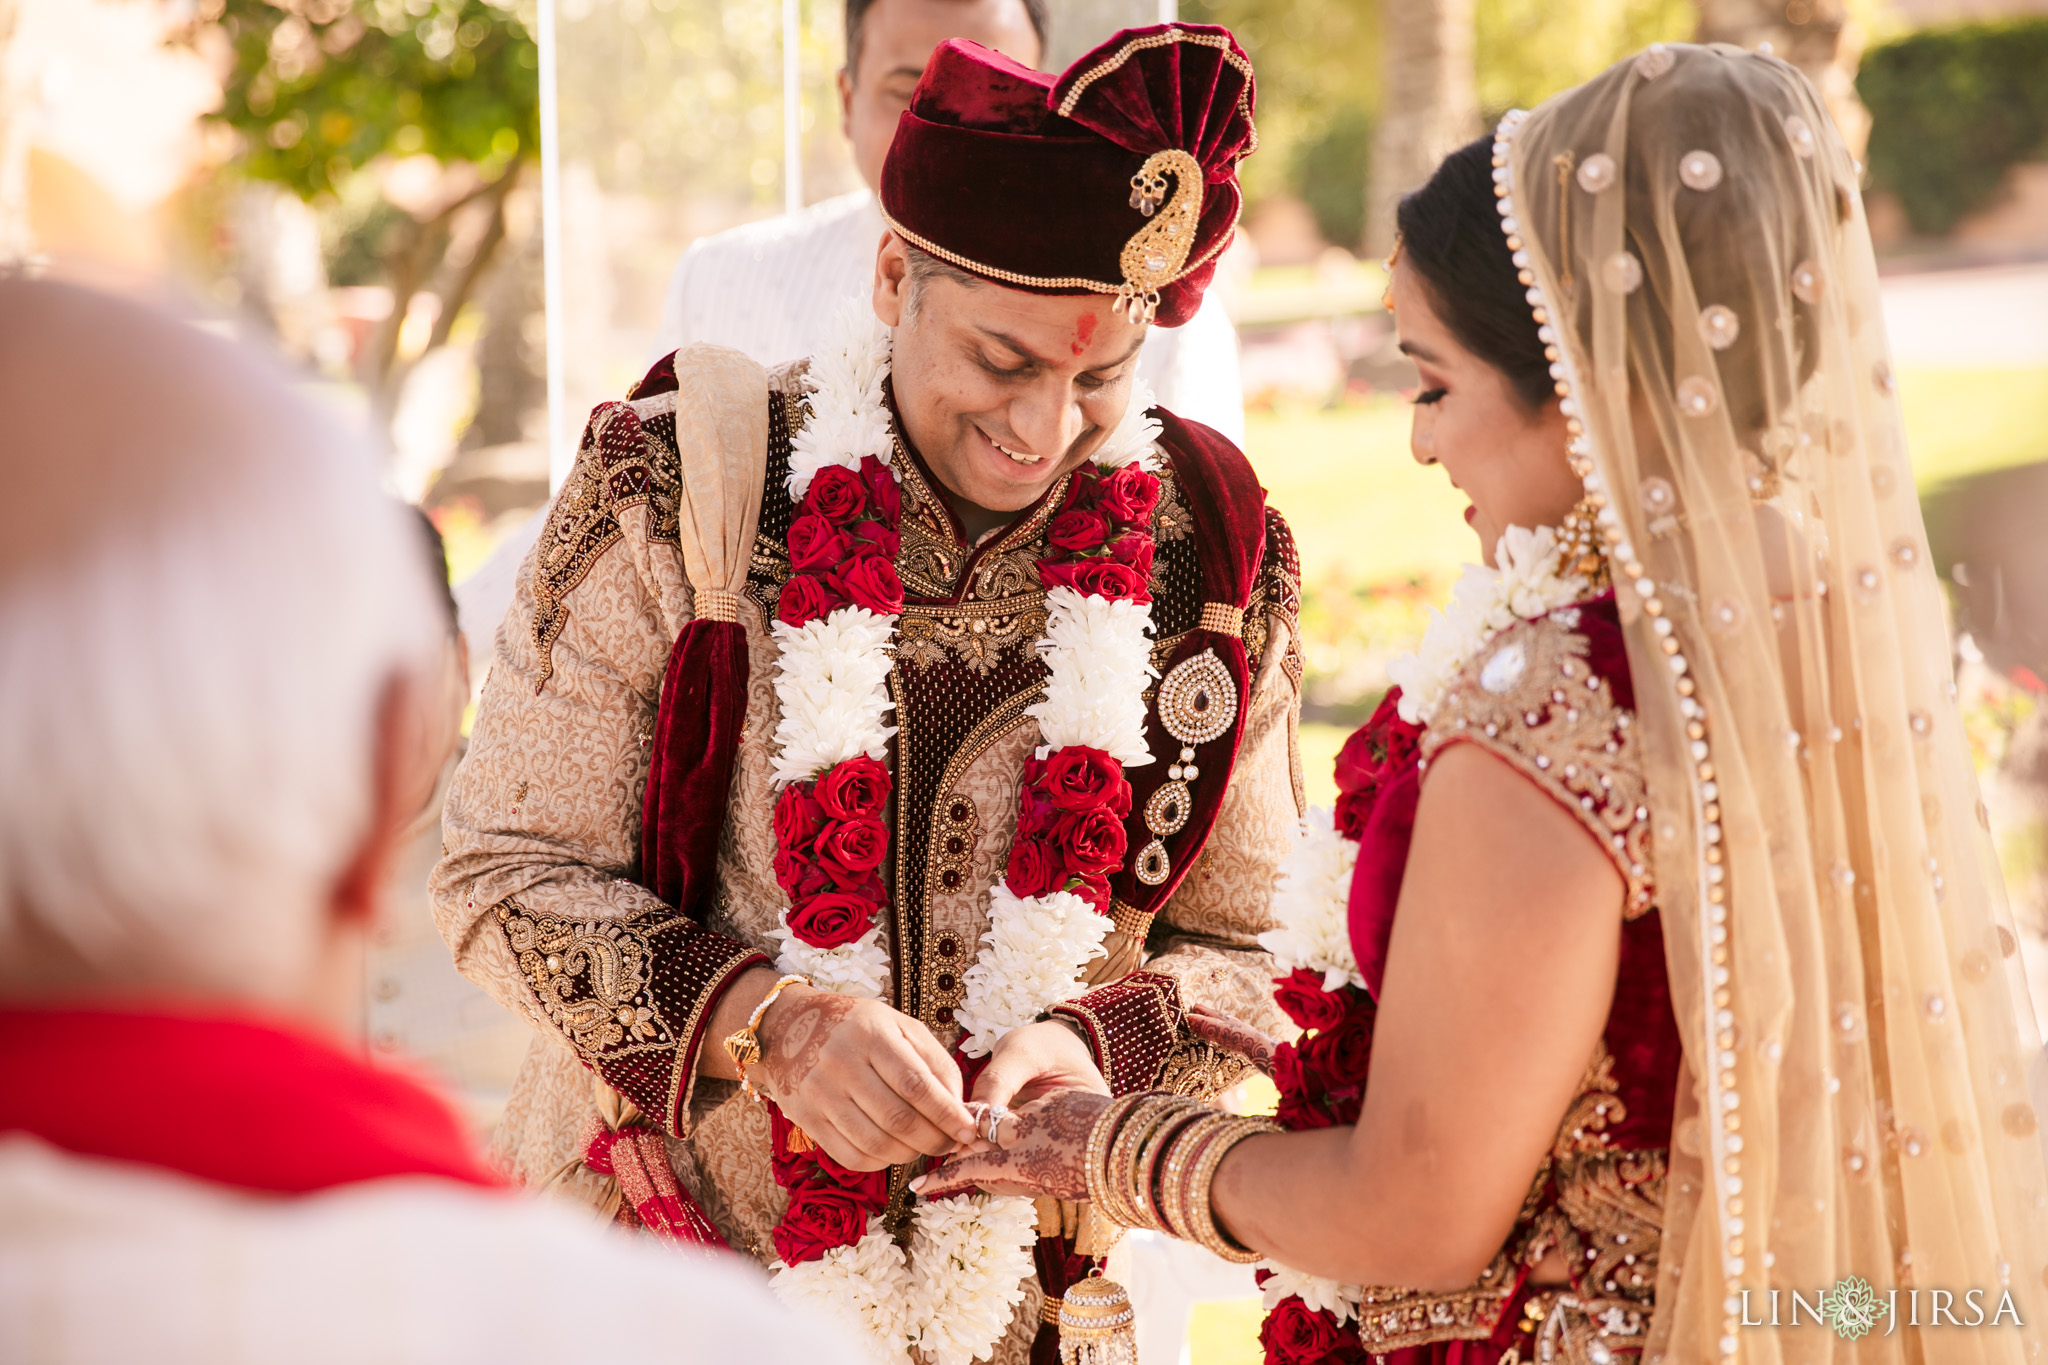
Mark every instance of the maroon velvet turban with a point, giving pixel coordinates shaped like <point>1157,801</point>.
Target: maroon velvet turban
<point>1118,178</point>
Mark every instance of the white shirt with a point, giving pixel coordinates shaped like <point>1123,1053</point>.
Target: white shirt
<point>773,288</point>
<point>108,1263</point>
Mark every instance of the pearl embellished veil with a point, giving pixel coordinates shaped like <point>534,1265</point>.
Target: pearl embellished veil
<point>1857,1032</point>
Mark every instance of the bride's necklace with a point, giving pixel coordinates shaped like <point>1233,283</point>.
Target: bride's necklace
<point>1537,572</point>
<point>953,1295</point>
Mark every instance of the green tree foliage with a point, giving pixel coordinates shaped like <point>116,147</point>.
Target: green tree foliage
<point>1528,50</point>
<point>322,90</point>
<point>1951,109</point>
<point>1319,78</point>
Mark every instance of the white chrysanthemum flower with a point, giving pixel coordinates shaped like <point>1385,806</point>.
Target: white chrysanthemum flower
<point>1529,577</point>
<point>1034,951</point>
<point>970,1256</point>
<point>1528,584</point>
<point>849,417</point>
<point>1340,1301</point>
<point>859,968</point>
<point>832,681</point>
<point>866,1288</point>
<point>1133,439</point>
<point>1099,652</point>
<point>1311,899</point>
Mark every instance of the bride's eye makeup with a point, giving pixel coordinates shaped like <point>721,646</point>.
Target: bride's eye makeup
<point>1428,396</point>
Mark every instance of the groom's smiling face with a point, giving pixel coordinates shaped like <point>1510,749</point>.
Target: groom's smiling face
<point>1000,390</point>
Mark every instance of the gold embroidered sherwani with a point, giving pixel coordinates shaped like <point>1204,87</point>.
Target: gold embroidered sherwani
<point>543,819</point>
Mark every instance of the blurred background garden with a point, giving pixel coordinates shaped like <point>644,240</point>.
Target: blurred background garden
<point>358,184</point>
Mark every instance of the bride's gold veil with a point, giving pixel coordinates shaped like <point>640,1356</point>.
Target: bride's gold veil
<point>1845,973</point>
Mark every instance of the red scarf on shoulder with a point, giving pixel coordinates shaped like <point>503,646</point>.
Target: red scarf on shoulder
<point>251,1104</point>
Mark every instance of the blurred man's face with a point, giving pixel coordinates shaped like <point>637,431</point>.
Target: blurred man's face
<point>896,40</point>
<point>1000,390</point>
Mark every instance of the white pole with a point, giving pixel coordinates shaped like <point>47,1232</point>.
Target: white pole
<point>1169,11</point>
<point>561,455</point>
<point>792,110</point>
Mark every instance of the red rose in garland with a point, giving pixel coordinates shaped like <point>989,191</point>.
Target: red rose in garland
<point>869,581</point>
<point>855,845</point>
<point>1033,869</point>
<point>831,918</point>
<point>838,494</point>
<point>819,1218</point>
<point>1080,778</point>
<point>1301,997</point>
<point>803,599</point>
<point>856,789</point>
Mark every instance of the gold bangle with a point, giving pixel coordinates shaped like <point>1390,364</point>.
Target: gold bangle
<point>744,1047</point>
<point>1165,1140</point>
<point>1200,1208</point>
<point>1107,1124</point>
<point>1173,1197</point>
<point>1124,1151</point>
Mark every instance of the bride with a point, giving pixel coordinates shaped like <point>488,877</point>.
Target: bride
<point>1659,904</point>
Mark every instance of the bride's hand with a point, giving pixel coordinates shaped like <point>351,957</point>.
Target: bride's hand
<point>1041,1151</point>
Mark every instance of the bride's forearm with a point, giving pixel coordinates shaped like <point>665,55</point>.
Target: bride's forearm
<point>1311,1202</point>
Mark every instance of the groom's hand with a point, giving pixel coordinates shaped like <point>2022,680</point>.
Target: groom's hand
<point>1038,1060</point>
<point>870,1085</point>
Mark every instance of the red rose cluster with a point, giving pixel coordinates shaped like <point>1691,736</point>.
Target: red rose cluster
<point>1321,1078</point>
<point>1074,801</point>
<point>829,1204</point>
<point>830,843</point>
<point>1101,538</point>
<point>843,543</point>
<point>1070,825</point>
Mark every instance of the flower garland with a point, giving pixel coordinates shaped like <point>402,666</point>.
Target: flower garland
<point>953,1295</point>
<point>1530,582</point>
<point>1321,1078</point>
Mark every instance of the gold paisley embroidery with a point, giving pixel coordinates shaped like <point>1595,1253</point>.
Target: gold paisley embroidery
<point>590,977</point>
<point>1391,1319</point>
<point>977,635</point>
<point>1530,697</point>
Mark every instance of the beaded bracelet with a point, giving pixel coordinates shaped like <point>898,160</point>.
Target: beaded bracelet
<point>1107,1125</point>
<point>1167,1140</point>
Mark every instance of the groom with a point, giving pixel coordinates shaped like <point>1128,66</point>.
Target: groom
<point>664,816</point>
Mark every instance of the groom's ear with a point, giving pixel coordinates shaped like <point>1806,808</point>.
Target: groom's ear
<point>893,284</point>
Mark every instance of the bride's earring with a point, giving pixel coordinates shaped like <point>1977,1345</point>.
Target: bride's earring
<point>1584,551</point>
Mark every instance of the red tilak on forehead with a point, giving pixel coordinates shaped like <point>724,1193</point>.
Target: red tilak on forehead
<point>1084,332</point>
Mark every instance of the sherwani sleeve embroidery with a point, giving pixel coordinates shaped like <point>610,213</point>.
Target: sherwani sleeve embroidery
<point>1531,699</point>
<point>535,892</point>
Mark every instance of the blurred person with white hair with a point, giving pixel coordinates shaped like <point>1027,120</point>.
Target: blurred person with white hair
<point>225,684</point>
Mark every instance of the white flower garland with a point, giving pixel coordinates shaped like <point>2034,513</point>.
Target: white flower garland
<point>953,1297</point>
<point>1312,901</point>
<point>1526,585</point>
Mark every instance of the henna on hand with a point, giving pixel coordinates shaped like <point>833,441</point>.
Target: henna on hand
<point>794,1033</point>
<point>1044,1150</point>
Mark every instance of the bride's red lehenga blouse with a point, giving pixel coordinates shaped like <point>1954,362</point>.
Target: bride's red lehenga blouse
<point>1553,699</point>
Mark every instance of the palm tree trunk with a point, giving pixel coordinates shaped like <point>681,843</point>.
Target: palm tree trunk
<point>1817,36</point>
<point>1429,107</point>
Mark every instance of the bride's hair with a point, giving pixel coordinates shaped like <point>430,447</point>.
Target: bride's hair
<point>1450,233</point>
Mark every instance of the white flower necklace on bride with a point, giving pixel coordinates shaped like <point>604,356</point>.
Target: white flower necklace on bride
<point>953,1296</point>
<point>1530,582</point>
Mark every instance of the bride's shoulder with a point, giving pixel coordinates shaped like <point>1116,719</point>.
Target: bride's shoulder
<point>1553,698</point>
